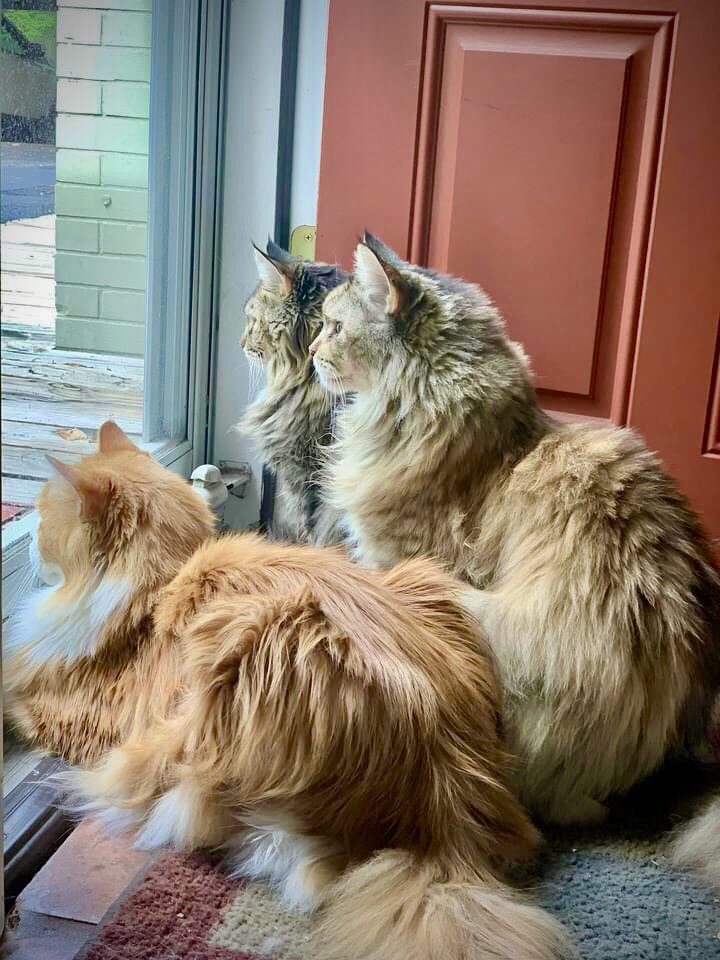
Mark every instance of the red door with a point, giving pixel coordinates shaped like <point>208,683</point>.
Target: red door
<point>567,159</point>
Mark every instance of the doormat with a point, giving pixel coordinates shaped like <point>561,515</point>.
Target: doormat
<point>616,894</point>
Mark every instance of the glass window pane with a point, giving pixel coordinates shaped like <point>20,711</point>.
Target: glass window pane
<point>74,86</point>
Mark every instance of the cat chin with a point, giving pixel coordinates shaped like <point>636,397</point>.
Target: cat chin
<point>325,380</point>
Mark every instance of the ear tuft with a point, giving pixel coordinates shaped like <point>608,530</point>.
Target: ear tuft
<point>111,438</point>
<point>271,276</point>
<point>381,282</point>
<point>382,251</point>
<point>275,252</point>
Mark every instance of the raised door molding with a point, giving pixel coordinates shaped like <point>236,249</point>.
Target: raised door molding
<point>536,169</point>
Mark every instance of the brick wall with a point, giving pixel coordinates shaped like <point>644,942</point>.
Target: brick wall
<point>103,69</point>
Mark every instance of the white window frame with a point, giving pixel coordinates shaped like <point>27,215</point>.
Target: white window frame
<point>187,94</point>
<point>185,149</point>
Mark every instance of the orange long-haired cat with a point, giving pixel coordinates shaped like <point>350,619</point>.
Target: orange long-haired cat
<point>337,729</point>
<point>83,666</point>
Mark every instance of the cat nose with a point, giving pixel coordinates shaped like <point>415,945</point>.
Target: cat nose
<point>313,348</point>
<point>243,341</point>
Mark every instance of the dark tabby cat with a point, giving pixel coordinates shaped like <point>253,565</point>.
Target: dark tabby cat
<point>291,419</point>
<point>599,593</point>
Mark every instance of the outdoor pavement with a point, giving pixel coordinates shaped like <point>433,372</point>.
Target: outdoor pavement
<point>27,180</point>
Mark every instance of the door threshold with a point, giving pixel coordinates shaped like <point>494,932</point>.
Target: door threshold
<point>33,824</point>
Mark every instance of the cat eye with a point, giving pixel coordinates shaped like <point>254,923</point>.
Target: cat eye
<point>338,327</point>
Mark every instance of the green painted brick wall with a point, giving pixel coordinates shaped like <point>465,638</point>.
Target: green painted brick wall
<point>79,96</point>
<point>98,63</point>
<point>122,170</point>
<point>77,300</point>
<point>108,4</point>
<point>126,273</point>
<point>116,134</point>
<point>123,98</point>
<point>102,203</point>
<point>101,336</point>
<point>79,26</point>
<point>77,166</point>
<point>103,64</point>
<point>122,30</point>
<point>73,234</point>
<point>123,238</point>
<point>121,305</point>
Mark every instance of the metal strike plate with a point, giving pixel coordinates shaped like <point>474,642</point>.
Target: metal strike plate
<point>236,476</point>
<point>302,241</point>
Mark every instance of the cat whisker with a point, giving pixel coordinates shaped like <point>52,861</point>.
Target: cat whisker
<point>339,399</point>
<point>255,369</point>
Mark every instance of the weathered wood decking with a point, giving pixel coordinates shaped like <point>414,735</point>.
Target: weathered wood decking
<point>53,401</point>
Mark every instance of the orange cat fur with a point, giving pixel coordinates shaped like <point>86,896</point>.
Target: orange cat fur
<point>340,733</point>
<point>83,666</point>
<point>336,728</point>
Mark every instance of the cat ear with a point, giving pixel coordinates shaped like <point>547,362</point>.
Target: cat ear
<point>382,283</point>
<point>112,438</point>
<point>276,253</point>
<point>93,492</point>
<point>65,470</point>
<point>273,275</point>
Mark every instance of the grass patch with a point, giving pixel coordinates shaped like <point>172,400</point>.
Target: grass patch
<point>37,26</point>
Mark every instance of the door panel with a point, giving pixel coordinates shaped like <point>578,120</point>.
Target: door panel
<point>527,149</point>
<point>533,186</point>
<point>534,129</point>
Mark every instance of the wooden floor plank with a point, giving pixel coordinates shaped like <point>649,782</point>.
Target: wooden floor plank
<point>21,233</point>
<point>16,256</point>
<point>36,344</point>
<point>70,414</point>
<point>25,315</point>
<point>37,261</point>
<point>42,382</point>
<point>40,436</point>
<point>25,447</point>
<point>90,373</point>
<point>19,490</point>
<point>31,464</point>
<point>42,351</point>
<point>41,289</point>
<point>45,222</point>
<point>46,391</point>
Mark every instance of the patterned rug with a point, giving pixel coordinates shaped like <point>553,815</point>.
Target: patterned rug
<point>615,906</point>
<point>613,888</point>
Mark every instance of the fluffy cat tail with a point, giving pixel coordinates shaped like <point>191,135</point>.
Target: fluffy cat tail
<point>397,906</point>
<point>696,845</point>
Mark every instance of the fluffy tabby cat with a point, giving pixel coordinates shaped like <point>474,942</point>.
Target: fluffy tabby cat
<point>83,667</point>
<point>291,419</point>
<point>336,727</point>
<point>599,593</point>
